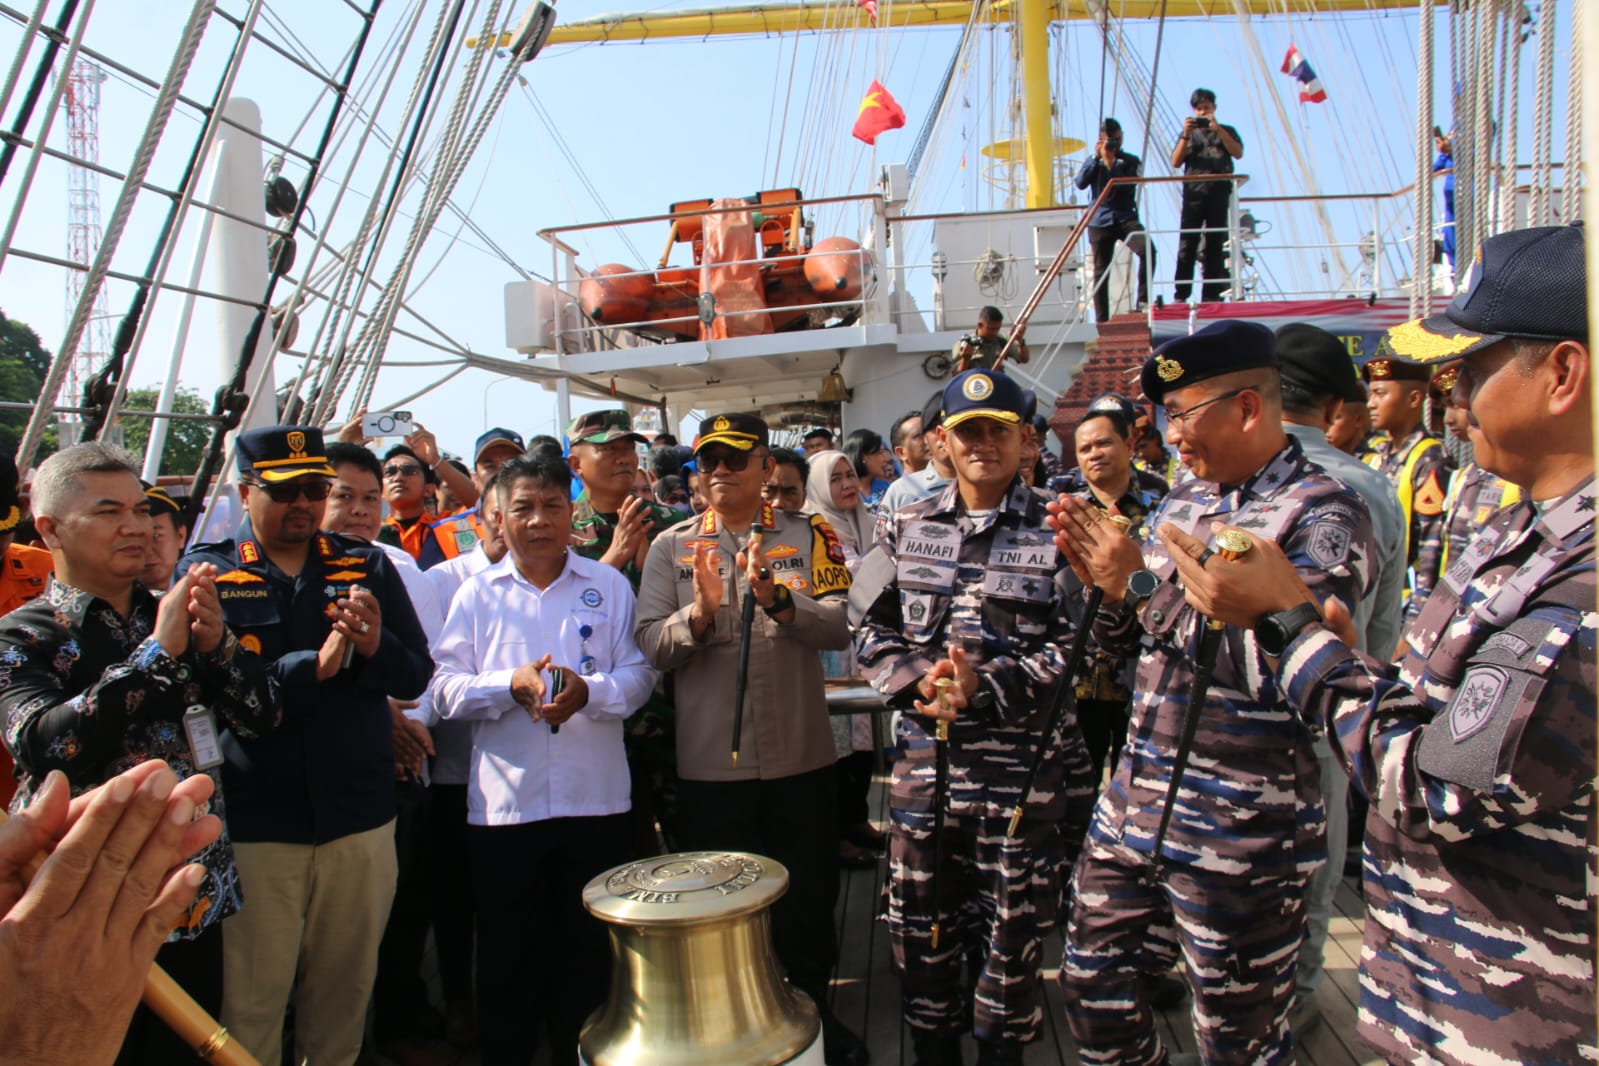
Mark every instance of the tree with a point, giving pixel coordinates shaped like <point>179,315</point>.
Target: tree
<point>24,362</point>
<point>186,440</point>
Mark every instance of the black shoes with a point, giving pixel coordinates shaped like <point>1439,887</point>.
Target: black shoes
<point>936,1049</point>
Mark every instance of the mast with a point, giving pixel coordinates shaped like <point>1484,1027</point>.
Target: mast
<point>1032,33</point>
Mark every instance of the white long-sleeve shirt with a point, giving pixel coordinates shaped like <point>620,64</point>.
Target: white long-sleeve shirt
<point>499,621</point>
<point>452,741</point>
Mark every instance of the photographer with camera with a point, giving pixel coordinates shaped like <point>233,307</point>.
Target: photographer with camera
<point>1117,217</point>
<point>1205,147</point>
<point>979,349</point>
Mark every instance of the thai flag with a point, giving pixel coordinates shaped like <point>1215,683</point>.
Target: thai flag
<point>1310,90</point>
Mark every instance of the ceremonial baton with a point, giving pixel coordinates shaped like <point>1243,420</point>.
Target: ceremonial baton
<point>169,1002</point>
<point>1074,663</point>
<point>1231,544</point>
<point>940,800</point>
<point>746,622</point>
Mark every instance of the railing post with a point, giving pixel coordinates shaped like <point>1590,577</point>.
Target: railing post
<point>1235,257</point>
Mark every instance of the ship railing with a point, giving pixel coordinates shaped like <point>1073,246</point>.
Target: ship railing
<point>573,332</point>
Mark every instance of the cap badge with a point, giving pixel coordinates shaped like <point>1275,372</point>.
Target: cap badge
<point>296,442</point>
<point>1168,370</point>
<point>721,425</point>
<point>978,387</point>
<point>1421,345</point>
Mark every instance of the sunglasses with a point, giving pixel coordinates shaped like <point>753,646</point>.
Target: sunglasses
<point>737,462</point>
<point>289,491</point>
<point>402,470</point>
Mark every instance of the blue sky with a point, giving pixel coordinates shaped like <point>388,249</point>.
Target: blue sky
<point>665,121</point>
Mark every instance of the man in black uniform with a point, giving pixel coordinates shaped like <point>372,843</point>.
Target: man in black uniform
<point>311,806</point>
<point>1205,147</point>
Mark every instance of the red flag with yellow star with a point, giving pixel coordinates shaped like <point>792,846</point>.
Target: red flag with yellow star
<point>879,112</point>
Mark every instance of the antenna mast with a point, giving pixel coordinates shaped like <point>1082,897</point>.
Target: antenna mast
<point>83,236</point>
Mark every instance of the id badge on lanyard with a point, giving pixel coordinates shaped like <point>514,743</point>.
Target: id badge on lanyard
<point>201,726</point>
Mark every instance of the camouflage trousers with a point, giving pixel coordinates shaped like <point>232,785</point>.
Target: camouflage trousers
<point>1238,937</point>
<point>1000,898</point>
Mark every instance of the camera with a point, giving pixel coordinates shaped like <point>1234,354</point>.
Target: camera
<point>1201,123</point>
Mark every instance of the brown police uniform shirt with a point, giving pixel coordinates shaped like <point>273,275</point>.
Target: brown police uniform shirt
<point>785,730</point>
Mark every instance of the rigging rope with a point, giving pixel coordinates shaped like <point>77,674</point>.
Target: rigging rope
<point>1154,74</point>
<point>1540,208</point>
<point>183,58</point>
<point>1421,267</point>
<point>1571,173</point>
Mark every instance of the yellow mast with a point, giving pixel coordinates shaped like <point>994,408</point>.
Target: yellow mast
<point>1032,32</point>
<point>773,19</point>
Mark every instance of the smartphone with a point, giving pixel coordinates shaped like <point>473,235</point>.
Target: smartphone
<point>1201,123</point>
<point>387,424</point>
<point>557,683</point>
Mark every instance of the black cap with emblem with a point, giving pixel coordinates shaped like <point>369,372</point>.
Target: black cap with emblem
<point>737,430</point>
<point>279,453</point>
<point>983,394</point>
<point>1220,348</point>
<point>1530,283</point>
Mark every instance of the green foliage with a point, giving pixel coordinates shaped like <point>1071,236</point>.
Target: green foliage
<point>24,361</point>
<point>185,440</point>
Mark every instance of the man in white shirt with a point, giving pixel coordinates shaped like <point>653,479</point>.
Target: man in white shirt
<point>930,479</point>
<point>538,654</point>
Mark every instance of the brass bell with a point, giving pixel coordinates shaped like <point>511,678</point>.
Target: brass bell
<point>694,978</point>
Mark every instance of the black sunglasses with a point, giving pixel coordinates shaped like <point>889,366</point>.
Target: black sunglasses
<point>737,462</point>
<point>289,491</point>
<point>402,470</point>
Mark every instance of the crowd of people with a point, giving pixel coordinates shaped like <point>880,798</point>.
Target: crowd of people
<point>1146,697</point>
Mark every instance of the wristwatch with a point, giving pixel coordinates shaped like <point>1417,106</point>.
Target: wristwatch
<point>1141,585</point>
<point>1276,631</point>
<point>782,600</point>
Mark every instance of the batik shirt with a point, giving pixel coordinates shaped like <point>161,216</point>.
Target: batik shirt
<point>90,693</point>
<point>994,583</point>
<point>1250,797</point>
<point>1478,753</point>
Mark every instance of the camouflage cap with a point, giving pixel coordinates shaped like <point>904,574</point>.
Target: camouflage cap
<point>602,427</point>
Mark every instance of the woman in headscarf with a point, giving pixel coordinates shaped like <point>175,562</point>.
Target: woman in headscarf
<point>833,491</point>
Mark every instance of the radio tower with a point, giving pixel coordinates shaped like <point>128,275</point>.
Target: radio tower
<point>83,235</point>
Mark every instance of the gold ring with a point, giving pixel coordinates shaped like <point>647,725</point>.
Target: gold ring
<point>1232,543</point>
<point>1121,522</point>
<point>213,1044</point>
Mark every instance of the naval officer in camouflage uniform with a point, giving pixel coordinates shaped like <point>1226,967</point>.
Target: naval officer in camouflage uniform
<point>968,585</point>
<point>780,797</point>
<point>1226,888</point>
<point>1477,750</point>
<point>1474,493</point>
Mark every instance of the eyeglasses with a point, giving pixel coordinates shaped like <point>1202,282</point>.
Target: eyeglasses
<point>289,491</point>
<point>402,470</point>
<point>735,461</point>
<point>1183,418</point>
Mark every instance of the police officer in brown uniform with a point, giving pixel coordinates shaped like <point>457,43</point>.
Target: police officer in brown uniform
<point>779,797</point>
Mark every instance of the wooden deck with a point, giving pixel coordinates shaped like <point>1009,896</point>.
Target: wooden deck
<point>866,991</point>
